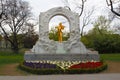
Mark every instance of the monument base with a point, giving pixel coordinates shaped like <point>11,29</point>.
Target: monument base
<point>60,49</point>
<point>29,56</point>
<point>71,50</point>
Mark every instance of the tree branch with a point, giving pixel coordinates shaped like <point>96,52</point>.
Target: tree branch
<point>82,7</point>
<point>111,6</point>
<point>6,35</point>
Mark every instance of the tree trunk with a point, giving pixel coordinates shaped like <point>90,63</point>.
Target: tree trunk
<point>15,47</point>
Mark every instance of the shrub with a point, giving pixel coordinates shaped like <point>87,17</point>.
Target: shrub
<point>107,43</point>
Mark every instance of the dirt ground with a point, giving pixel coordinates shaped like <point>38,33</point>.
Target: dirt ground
<point>11,69</point>
<point>113,67</point>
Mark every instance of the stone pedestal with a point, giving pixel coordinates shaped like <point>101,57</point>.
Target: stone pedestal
<point>60,49</point>
<point>61,57</point>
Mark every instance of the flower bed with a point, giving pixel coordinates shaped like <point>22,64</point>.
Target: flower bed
<point>63,67</point>
<point>86,65</point>
<point>40,68</point>
<point>40,65</point>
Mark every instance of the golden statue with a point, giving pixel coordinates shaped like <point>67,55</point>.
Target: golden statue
<point>60,33</point>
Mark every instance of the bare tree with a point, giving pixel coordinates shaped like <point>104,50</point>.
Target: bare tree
<point>114,14</point>
<point>86,19</point>
<point>110,3</point>
<point>78,5</point>
<point>116,28</point>
<point>30,28</point>
<point>29,25</point>
<point>13,15</point>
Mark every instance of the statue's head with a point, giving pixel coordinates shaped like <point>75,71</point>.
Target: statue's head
<point>60,23</point>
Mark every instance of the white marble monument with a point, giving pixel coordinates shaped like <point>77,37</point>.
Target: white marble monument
<point>72,49</point>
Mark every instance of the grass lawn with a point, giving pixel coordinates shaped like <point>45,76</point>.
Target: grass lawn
<point>110,57</point>
<point>10,57</point>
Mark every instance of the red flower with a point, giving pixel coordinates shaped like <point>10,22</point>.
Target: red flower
<point>86,65</point>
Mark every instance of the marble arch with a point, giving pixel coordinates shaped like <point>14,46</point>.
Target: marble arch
<point>72,45</point>
<point>45,17</point>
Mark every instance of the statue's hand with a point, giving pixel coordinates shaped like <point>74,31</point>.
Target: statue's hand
<point>56,27</point>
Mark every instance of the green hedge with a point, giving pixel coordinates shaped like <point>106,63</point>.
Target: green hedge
<point>106,43</point>
<point>61,71</point>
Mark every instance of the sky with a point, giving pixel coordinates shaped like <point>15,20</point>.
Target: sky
<point>44,5</point>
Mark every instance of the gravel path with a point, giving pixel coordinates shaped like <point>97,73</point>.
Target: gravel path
<point>113,67</point>
<point>11,70</point>
<point>65,77</point>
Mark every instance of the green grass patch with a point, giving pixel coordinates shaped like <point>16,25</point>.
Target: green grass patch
<point>11,59</point>
<point>110,57</point>
<point>8,57</point>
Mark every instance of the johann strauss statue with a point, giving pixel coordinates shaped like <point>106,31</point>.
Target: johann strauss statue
<point>60,33</point>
